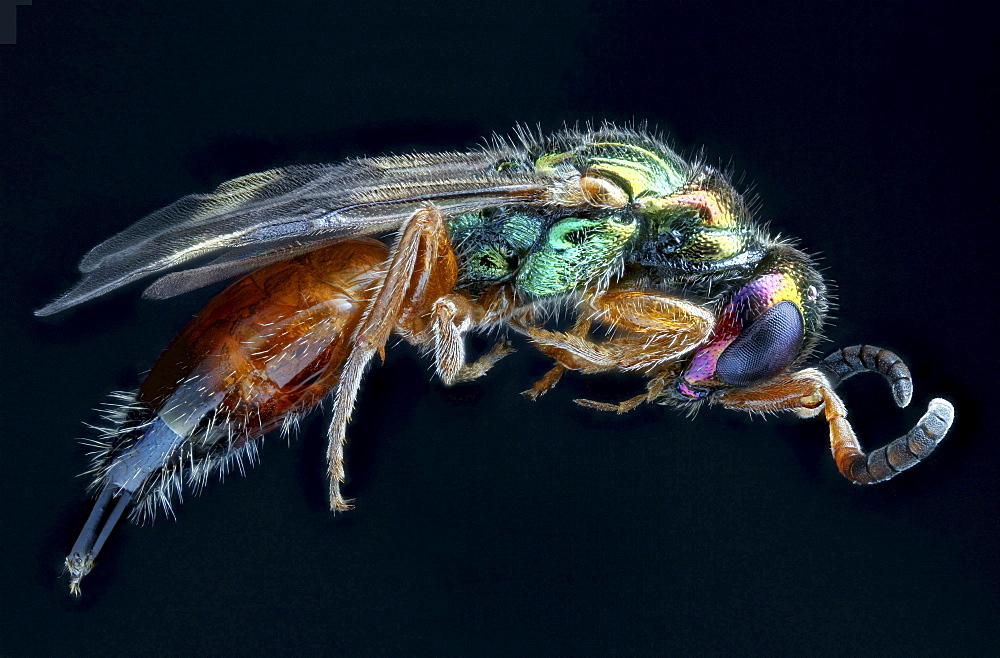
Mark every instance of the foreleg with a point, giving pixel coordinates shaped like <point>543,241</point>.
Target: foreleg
<point>655,388</point>
<point>651,330</point>
<point>656,328</point>
<point>564,349</point>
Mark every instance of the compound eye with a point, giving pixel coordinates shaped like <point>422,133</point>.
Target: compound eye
<point>765,348</point>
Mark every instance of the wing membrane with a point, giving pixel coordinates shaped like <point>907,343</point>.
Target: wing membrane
<point>291,210</point>
<point>232,263</point>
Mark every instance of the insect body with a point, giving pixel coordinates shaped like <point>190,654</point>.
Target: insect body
<point>656,262</point>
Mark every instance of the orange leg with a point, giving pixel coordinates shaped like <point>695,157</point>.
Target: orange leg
<point>654,391</point>
<point>652,330</point>
<point>451,317</point>
<point>415,299</point>
<point>677,325</point>
<point>421,269</point>
<point>565,358</point>
<point>470,371</point>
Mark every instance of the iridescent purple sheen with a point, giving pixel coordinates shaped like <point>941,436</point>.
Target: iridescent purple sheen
<point>693,393</point>
<point>747,305</point>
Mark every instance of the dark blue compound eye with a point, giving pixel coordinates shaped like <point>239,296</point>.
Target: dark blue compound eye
<point>765,348</point>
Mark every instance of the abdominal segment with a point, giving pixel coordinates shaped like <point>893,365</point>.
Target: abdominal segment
<point>261,353</point>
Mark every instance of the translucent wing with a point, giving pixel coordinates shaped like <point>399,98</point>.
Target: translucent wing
<point>264,217</point>
<point>234,262</point>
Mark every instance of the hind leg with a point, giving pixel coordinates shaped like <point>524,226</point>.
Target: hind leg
<point>421,269</point>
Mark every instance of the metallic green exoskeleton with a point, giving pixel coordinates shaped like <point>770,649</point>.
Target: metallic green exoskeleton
<point>685,224</point>
<point>491,246</point>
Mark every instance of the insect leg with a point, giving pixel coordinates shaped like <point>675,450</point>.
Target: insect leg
<point>482,365</point>
<point>573,349</point>
<point>546,383</point>
<point>453,315</point>
<point>451,320</point>
<point>421,269</point>
<point>654,391</point>
<point>564,358</point>
<point>651,330</point>
<point>654,328</point>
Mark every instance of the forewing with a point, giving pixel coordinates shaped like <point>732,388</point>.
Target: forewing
<point>233,262</point>
<point>250,220</point>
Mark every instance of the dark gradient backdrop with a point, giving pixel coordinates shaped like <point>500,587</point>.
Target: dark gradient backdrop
<point>486,524</point>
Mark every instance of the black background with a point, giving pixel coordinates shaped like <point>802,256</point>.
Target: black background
<point>486,524</point>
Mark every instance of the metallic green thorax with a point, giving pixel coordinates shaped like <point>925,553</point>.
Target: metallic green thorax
<point>636,169</point>
<point>575,251</point>
<point>545,256</point>
<point>491,246</point>
<point>700,230</point>
<point>684,224</point>
<point>548,254</point>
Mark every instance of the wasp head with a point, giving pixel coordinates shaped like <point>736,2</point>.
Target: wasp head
<point>769,324</point>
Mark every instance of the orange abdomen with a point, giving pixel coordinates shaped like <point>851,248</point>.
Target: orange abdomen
<point>268,346</point>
